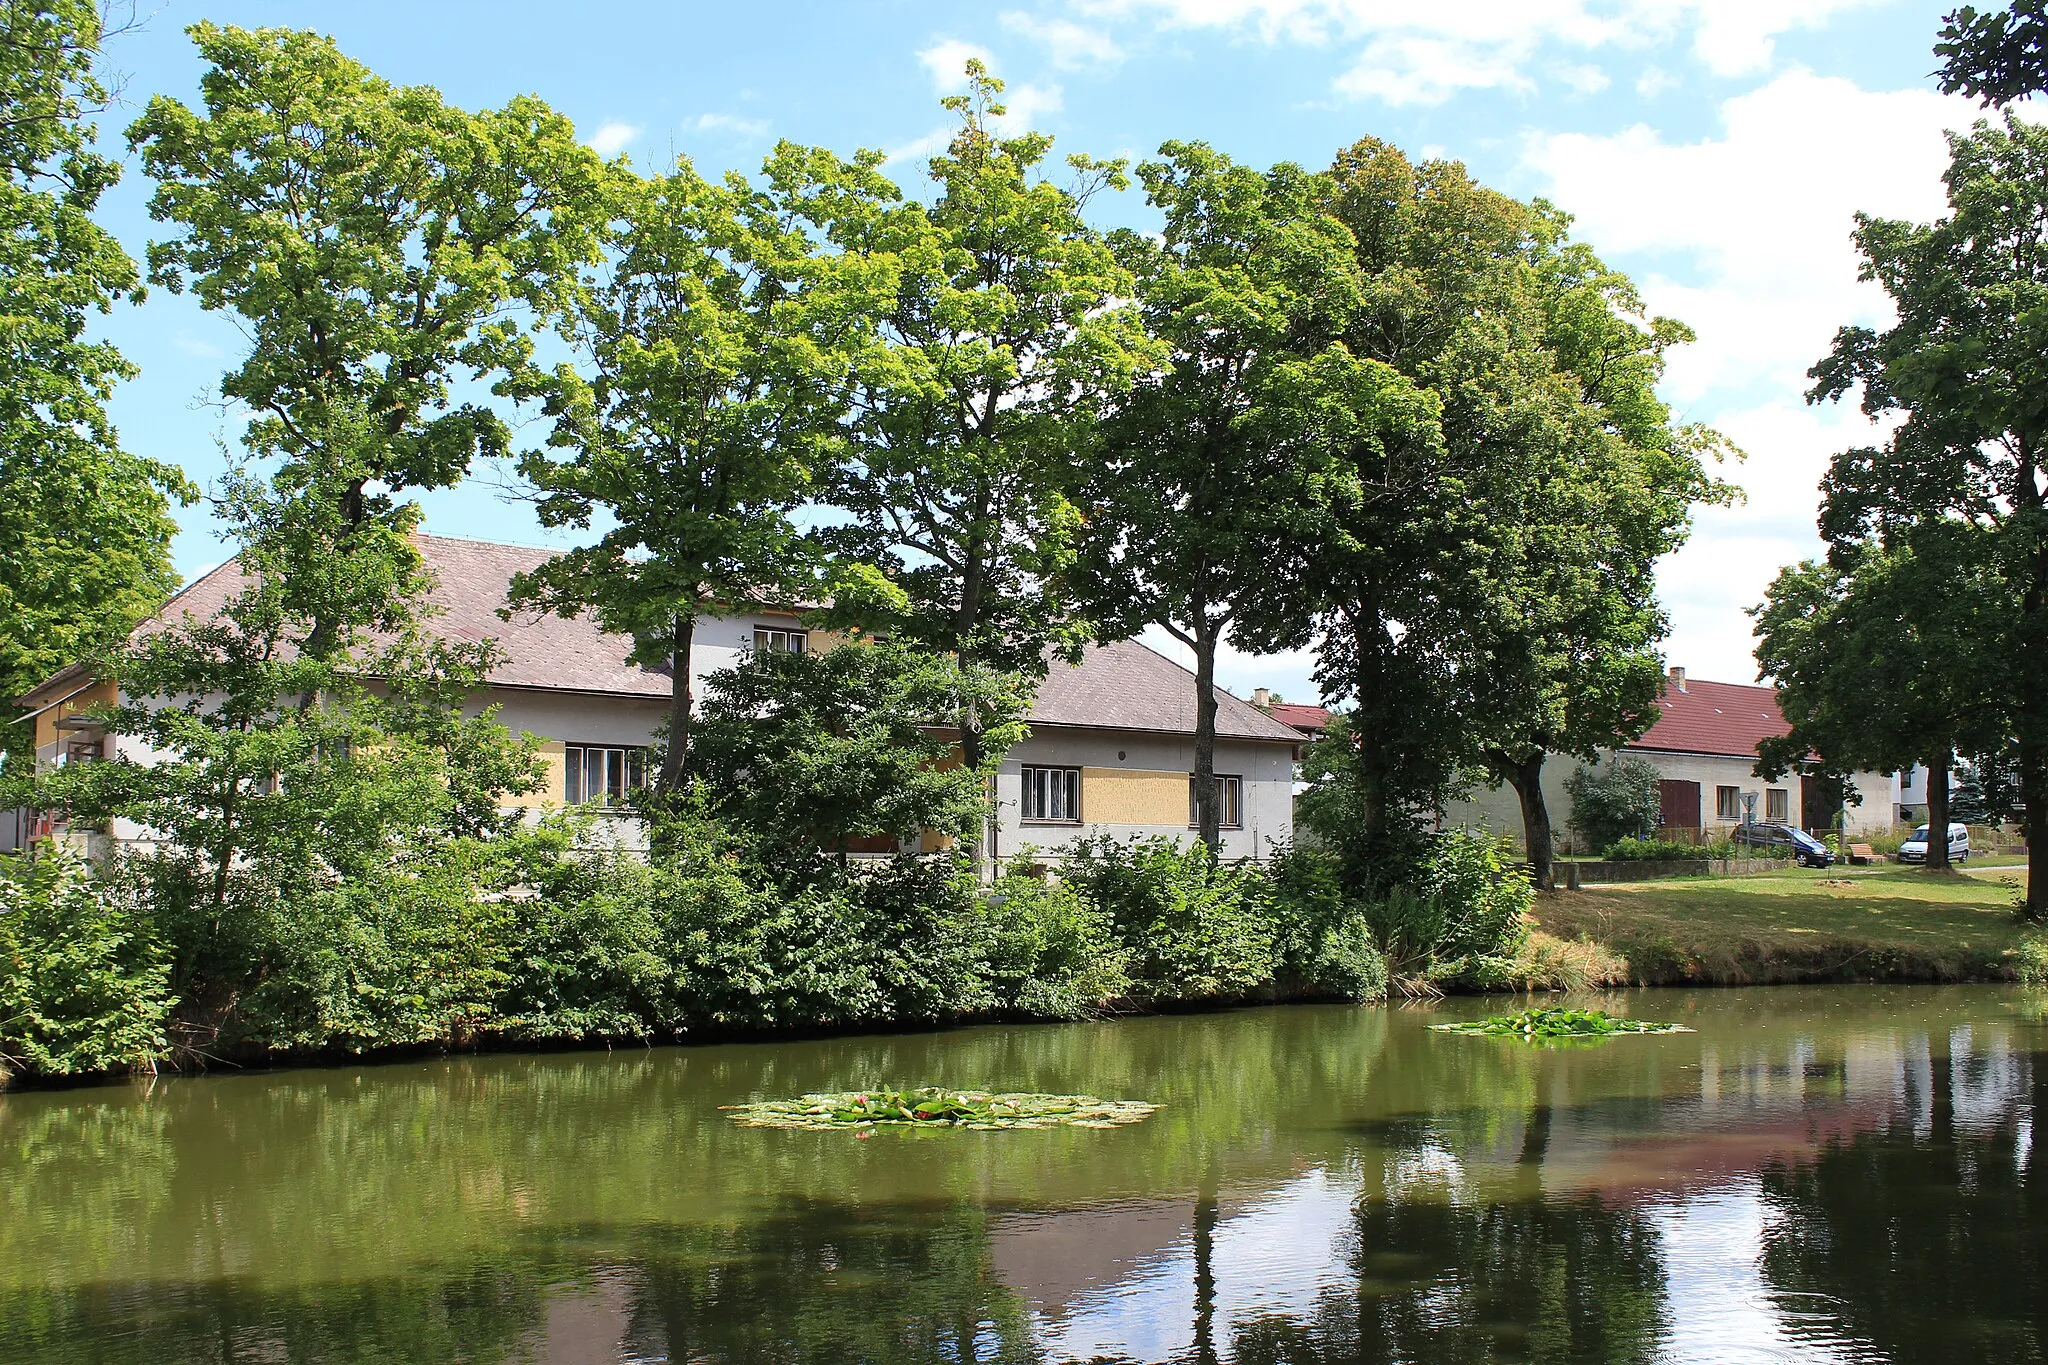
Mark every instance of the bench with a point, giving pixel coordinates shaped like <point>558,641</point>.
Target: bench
<point>1862,853</point>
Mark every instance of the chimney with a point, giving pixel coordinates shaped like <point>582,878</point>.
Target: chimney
<point>1262,698</point>
<point>1678,677</point>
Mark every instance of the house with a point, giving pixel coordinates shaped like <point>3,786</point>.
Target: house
<point>1703,744</point>
<point>1111,748</point>
<point>1307,721</point>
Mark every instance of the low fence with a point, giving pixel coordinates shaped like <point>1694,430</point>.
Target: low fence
<point>1593,874</point>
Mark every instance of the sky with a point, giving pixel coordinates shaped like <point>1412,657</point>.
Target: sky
<point>1716,150</point>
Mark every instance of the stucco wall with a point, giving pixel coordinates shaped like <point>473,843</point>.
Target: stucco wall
<point>1136,784</point>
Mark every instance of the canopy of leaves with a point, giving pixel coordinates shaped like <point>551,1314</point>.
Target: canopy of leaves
<point>1997,56</point>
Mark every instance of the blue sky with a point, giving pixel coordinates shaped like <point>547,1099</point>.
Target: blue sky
<point>1715,149</point>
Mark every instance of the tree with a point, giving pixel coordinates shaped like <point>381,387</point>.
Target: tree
<point>378,244</point>
<point>809,753</point>
<point>85,527</point>
<point>720,343</point>
<point>1965,369</point>
<point>1997,56</point>
<point>1004,341</point>
<point>1193,475</point>
<point>1571,665</point>
<point>1618,799</point>
<point>1881,662</point>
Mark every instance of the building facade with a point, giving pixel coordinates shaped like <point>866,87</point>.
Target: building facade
<point>1110,750</point>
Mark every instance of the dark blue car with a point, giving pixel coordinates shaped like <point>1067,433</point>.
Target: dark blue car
<point>1783,841</point>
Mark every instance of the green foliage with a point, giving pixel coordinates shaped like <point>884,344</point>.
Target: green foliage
<point>1615,799</point>
<point>1997,56</point>
<point>1326,936</point>
<point>2030,959</point>
<point>809,752</point>
<point>83,986</point>
<point>932,1107</point>
<point>1459,918</point>
<point>1051,952</point>
<point>1195,927</point>
<point>85,527</point>
<point>1634,850</point>
<point>1546,1022</point>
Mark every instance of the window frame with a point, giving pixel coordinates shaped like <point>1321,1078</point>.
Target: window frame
<point>1777,805</point>
<point>765,640</point>
<point>1728,803</point>
<point>1231,785</point>
<point>627,761</point>
<point>1071,777</point>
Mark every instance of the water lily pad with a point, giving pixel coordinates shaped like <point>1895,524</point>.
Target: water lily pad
<point>932,1107</point>
<point>1551,1022</point>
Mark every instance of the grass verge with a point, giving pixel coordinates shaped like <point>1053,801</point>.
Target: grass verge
<point>1894,924</point>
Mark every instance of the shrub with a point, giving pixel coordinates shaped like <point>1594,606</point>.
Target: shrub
<point>1460,918</point>
<point>2031,959</point>
<point>1618,799</point>
<point>1051,952</point>
<point>1194,926</point>
<point>82,987</point>
<point>1666,851</point>
<point>1325,934</point>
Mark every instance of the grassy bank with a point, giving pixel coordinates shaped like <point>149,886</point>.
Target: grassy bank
<point>1886,924</point>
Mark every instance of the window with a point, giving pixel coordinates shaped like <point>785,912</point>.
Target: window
<point>593,772</point>
<point>84,751</point>
<point>1728,803</point>
<point>1052,795</point>
<point>1777,805</point>
<point>1231,791</point>
<point>776,640</point>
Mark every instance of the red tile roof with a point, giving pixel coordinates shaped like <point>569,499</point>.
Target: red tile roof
<point>1714,718</point>
<point>1307,719</point>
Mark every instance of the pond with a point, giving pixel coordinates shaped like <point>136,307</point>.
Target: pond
<point>1829,1174</point>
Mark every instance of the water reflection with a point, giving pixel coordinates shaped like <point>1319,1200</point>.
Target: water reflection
<point>1845,1174</point>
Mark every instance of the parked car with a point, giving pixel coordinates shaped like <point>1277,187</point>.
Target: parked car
<point>1914,850</point>
<point>1783,841</point>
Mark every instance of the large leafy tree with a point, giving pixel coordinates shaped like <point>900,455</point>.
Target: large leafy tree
<point>1964,371</point>
<point>85,527</point>
<point>380,246</point>
<point>1006,337</point>
<point>719,345</point>
<point>1196,471</point>
<point>1887,656</point>
<point>1569,663</point>
<point>1995,55</point>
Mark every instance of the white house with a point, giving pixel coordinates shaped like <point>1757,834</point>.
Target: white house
<point>1111,748</point>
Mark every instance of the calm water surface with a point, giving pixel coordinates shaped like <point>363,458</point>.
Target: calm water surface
<point>1834,1174</point>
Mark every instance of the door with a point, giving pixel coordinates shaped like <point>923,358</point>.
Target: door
<point>1680,802</point>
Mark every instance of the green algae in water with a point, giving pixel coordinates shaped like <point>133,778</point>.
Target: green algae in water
<point>1549,1022</point>
<point>932,1107</point>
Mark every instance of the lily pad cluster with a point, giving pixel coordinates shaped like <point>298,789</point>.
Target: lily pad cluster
<point>932,1107</point>
<point>1555,1021</point>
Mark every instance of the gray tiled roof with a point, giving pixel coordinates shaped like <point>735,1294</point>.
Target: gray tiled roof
<point>1123,686</point>
<point>1128,686</point>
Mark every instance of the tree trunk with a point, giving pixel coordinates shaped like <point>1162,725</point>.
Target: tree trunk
<point>1526,777</point>
<point>2033,766</point>
<point>1208,809</point>
<point>1937,812</point>
<point>1375,763</point>
<point>675,759</point>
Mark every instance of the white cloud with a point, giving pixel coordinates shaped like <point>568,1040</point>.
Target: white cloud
<point>731,123</point>
<point>1025,105</point>
<point>1654,81</point>
<point>947,60</point>
<point>1585,78</point>
<point>612,138</point>
<point>1419,54</point>
<point>1070,45</point>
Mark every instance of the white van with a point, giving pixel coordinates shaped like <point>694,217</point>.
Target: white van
<point>1914,850</point>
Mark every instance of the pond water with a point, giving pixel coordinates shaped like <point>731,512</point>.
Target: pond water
<point>1828,1174</point>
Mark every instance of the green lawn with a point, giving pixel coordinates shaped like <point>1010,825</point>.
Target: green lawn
<point>1887,923</point>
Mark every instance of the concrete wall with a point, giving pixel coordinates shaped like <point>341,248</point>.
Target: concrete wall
<point>1135,784</point>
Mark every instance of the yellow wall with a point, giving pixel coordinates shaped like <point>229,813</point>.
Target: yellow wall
<point>550,754</point>
<point>99,694</point>
<point>1133,796</point>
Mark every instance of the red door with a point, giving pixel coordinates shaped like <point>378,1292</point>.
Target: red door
<point>1681,804</point>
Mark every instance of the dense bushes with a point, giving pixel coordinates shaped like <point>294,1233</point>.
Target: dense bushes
<point>546,933</point>
<point>1618,799</point>
<point>1634,850</point>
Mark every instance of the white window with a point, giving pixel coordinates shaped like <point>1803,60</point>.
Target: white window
<point>1777,805</point>
<point>592,772</point>
<point>1230,791</point>
<point>1052,796</point>
<point>776,640</point>
<point>1728,803</point>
